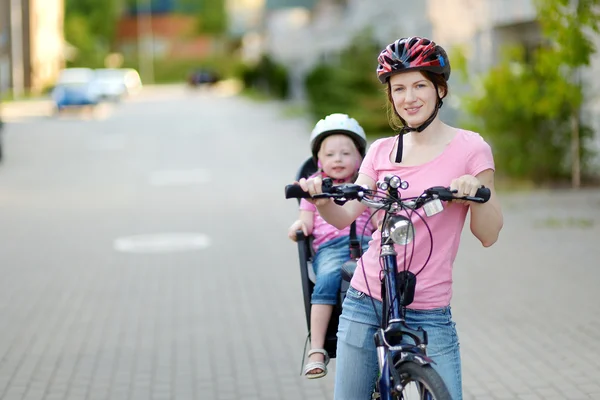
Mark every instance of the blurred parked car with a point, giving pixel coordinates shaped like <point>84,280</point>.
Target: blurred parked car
<point>111,84</point>
<point>75,87</point>
<point>116,83</point>
<point>202,77</point>
<point>132,80</point>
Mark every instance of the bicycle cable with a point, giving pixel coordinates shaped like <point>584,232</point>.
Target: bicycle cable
<point>406,267</point>
<point>374,192</point>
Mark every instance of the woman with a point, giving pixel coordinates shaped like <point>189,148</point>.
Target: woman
<point>426,153</point>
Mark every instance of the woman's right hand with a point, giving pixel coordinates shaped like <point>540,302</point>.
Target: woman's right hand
<point>313,186</point>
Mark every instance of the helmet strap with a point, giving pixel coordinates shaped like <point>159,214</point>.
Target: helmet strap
<point>350,178</point>
<point>420,128</point>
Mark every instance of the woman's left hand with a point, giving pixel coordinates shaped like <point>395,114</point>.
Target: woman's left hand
<point>466,185</point>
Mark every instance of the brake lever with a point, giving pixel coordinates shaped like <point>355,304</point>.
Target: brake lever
<point>327,189</point>
<point>442,193</point>
<point>474,199</point>
<point>446,194</point>
<point>335,195</point>
<point>327,184</point>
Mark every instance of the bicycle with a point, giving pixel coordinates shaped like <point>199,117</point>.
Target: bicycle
<point>405,370</point>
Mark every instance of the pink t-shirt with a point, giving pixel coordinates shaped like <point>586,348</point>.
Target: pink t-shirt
<point>323,231</point>
<point>467,153</point>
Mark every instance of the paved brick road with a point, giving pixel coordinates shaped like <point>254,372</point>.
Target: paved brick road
<point>80,320</point>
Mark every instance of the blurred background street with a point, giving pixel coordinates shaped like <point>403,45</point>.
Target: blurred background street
<point>145,256</point>
<point>144,150</point>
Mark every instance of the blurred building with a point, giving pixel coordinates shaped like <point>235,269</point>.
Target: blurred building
<point>31,44</point>
<point>301,33</point>
<point>164,6</point>
<point>5,65</point>
<point>312,30</point>
<point>170,35</point>
<point>245,16</point>
<point>245,25</point>
<point>168,27</point>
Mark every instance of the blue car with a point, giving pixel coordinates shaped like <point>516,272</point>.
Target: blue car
<point>76,87</point>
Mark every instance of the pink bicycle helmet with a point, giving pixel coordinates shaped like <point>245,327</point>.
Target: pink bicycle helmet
<point>412,53</point>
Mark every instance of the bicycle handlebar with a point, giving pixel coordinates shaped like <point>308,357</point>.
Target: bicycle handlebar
<point>345,192</point>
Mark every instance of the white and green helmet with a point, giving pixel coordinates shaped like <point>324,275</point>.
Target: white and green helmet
<point>338,124</point>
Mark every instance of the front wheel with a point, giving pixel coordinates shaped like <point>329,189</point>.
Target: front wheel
<point>420,382</point>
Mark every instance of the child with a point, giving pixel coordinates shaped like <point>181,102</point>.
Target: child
<point>338,144</point>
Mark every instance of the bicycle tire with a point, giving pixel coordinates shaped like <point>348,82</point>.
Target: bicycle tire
<point>424,376</point>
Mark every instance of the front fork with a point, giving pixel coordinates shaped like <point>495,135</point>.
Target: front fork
<point>388,254</point>
<point>383,391</point>
<point>396,328</point>
<point>390,382</point>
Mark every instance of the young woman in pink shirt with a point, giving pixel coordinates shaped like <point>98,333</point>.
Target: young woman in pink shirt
<point>338,144</point>
<point>426,153</point>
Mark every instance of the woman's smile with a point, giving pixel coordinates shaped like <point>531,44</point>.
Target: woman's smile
<point>412,110</point>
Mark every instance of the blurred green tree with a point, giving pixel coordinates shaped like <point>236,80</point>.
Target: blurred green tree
<point>347,83</point>
<point>529,107</point>
<point>213,17</point>
<point>267,77</point>
<point>90,27</point>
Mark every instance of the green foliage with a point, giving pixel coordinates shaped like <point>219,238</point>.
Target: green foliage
<point>266,76</point>
<point>101,15</point>
<point>526,117</point>
<point>213,17</point>
<point>525,106</point>
<point>565,22</point>
<point>177,70</point>
<point>172,71</point>
<point>349,85</point>
<point>459,62</point>
<point>77,33</point>
<point>90,27</point>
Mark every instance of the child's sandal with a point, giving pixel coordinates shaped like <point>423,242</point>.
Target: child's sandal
<point>322,365</point>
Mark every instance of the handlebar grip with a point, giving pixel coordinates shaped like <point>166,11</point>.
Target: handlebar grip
<point>483,193</point>
<point>295,192</point>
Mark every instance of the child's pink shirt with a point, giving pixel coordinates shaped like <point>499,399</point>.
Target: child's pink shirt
<point>323,231</point>
<point>467,153</point>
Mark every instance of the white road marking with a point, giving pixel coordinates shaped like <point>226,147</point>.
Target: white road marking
<point>107,143</point>
<point>162,243</point>
<point>180,177</point>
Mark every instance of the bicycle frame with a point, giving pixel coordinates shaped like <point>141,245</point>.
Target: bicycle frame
<point>395,328</point>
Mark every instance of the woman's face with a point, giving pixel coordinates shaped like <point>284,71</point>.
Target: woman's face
<point>339,157</point>
<point>414,97</point>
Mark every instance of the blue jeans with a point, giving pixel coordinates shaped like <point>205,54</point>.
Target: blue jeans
<point>357,367</point>
<point>327,264</point>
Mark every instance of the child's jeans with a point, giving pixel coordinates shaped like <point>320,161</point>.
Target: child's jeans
<point>327,264</point>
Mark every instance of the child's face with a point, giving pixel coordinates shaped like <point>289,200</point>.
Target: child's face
<point>339,157</point>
